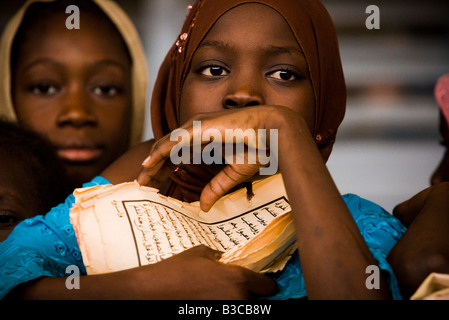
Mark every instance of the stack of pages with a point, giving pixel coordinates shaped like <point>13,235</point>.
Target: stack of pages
<point>127,225</point>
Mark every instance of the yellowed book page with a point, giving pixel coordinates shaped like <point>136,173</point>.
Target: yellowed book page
<point>434,287</point>
<point>128,225</point>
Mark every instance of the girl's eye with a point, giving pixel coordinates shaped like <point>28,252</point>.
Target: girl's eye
<point>44,89</point>
<point>283,75</point>
<point>109,91</point>
<point>214,71</point>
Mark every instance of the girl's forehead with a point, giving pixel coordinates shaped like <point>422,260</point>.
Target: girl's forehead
<point>251,18</point>
<point>252,27</point>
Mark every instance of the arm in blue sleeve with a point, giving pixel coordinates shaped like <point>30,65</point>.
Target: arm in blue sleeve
<point>381,232</point>
<point>42,246</point>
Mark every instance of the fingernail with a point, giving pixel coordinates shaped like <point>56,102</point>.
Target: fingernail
<point>146,162</point>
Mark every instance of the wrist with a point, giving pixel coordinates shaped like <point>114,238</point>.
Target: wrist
<point>285,119</point>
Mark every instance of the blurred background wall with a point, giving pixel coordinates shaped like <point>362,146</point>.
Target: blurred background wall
<point>388,145</point>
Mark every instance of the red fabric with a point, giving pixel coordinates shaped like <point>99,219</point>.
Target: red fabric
<point>442,95</point>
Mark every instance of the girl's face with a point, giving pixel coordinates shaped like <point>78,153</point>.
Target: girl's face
<point>442,171</point>
<point>74,87</point>
<point>250,57</point>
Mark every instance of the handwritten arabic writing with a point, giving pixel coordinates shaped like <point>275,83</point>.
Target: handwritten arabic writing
<point>162,232</point>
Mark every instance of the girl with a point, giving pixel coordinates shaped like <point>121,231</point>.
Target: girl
<point>285,76</point>
<point>83,89</point>
<point>271,64</point>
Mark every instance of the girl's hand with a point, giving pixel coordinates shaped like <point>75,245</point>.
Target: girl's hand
<point>434,199</point>
<point>197,274</point>
<point>407,211</point>
<point>423,248</point>
<point>193,274</point>
<point>244,123</point>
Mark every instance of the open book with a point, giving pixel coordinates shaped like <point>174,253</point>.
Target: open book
<point>127,225</point>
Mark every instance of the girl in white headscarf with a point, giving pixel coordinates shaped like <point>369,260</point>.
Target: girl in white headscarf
<point>84,89</point>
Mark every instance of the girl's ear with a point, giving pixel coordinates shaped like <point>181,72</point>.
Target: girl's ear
<point>325,145</point>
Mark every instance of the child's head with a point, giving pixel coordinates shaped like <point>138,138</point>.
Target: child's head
<point>316,51</point>
<point>76,86</point>
<point>442,96</point>
<point>243,53</point>
<point>32,179</point>
<point>258,62</point>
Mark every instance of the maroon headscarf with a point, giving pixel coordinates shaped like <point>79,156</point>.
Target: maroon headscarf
<point>316,35</point>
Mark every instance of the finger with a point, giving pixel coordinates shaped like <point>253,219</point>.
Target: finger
<point>154,177</point>
<point>147,174</point>
<point>172,143</point>
<point>215,254</point>
<point>185,135</point>
<point>222,183</point>
<point>159,152</point>
<point>143,178</point>
<point>205,251</point>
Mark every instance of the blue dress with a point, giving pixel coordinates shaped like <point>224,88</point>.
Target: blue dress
<point>46,246</point>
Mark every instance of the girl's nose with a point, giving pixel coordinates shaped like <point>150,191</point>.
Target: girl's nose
<point>243,93</point>
<point>77,110</point>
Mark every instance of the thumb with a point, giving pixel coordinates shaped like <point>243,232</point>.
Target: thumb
<point>205,251</point>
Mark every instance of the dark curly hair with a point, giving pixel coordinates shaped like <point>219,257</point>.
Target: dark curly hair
<point>39,162</point>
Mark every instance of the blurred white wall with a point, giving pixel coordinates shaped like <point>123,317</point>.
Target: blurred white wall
<point>388,144</point>
<point>161,27</point>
